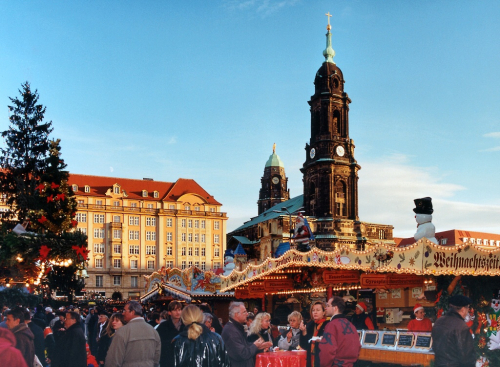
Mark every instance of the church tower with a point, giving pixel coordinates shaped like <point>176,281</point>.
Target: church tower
<point>274,183</point>
<point>330,170</point>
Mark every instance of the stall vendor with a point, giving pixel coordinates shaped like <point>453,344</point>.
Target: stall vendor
<point>360,319</point>
<point>420,323</point>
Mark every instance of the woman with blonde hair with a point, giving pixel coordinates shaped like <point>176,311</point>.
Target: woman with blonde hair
<point>115,322</point>
<point>197,346</point>
<point>259,329</point>
<point>312,332</point>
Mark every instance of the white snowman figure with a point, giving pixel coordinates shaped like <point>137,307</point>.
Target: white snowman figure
<point>423,215</point>
<point>228,262</point>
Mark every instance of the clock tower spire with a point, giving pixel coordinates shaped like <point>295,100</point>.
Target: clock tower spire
<point>330,170</point>
<point>274,183</point>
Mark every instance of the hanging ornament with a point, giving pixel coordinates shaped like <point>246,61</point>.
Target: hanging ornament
<point>60,197</point>
<point>81,250</point>
<point>44,252</point>
<point>42,219</point>
<point>54,186</point>
<point>50,198</point>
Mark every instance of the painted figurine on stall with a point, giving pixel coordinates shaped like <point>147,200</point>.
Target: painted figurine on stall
<point>302,234</point>
<point>423,215</point>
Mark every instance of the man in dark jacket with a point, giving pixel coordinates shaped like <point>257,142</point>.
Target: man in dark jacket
<point>168,330</point>
<point>340,343</point>
<point>70,348</point>
<point>39,340</point>
<point>451,338</point>
<point>24,336</point>
<point>241,352</point>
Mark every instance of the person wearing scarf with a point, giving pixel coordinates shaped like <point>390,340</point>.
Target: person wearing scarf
<point>259,329</point>
<point>313,329</point>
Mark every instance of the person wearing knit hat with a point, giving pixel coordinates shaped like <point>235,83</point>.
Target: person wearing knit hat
<point>420,323</point>
<point>452,341</point>
<point>50,343</point>
<point>360,319</point>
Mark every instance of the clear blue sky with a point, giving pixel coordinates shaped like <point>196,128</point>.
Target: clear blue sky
<point>202,90</point>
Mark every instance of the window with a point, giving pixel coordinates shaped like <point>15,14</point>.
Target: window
<point>169,236</point>
<point>98,232</point>
<point>381,234</point>
<point>196,251</point>
<point>116,203</point>
<point>150,236</point>
<point>133,235</point>
<point>187,207</point>
<point>117,189</point>
<point>190,223</point>
<point>83,230</point>
<point>117,263</point>
<point>87,188</point>
<point>133,221</point>
<point>81,217</point>
<point>117,234</point>
<point>203,238</point>
<point>81,203</point>
<point>98,281</point>
<point>151,221</point>
<point>171,206</point>
<point>190,237</point>
<point>196,224</point>
<point>144,194</point>
<point>169,250</point>
<point>117,249</point>
<point>202,252</point>
<point>134,282</point>
<point>99,248</point>
<point>197,208</point>
<point>169,222</point>
<point>133,205</point>
<point>216,238</point>
<point>156,194</point>
<point>203,224</point>
<point>203,265</point>
<point>216,252</point>
<point>169,264</point>
<point>98,263</point>
<point>116,219</point>
<point>150,206</point>
<point>444,241</point>
<point>196,237</point>
<point>133,249</point>
<point>197,264</point>
<point>133,264</point>
<point>150,250</point>
<point>183,237</point>
<point>183,251</point>
<point>212,210</point>
<point>190,264</point>
<point>74,188</point>
<point>98,218</point>
<point>216,224</point>
<point>183,266</point>
<point>216,265</point>
<point>151,264</point>
<point>117,280</point>
<point>98,202</point>
<point>190,251</point>
<point>183,223</point>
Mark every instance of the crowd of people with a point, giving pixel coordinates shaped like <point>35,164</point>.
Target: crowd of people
<point>191,335</point>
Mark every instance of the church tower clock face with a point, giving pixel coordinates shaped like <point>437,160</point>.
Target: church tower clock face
<point>340,151</point>
<point>276,180</point>
<point>312,153</point>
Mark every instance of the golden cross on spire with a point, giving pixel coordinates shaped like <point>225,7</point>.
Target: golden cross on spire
<point>328,27</point>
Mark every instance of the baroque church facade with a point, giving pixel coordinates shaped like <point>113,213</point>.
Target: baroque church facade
<point>330,179</point>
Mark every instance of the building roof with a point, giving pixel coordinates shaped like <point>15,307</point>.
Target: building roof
<point>292,205</point>
<point>239,250</point>
<point>454,237</point>
<point>244,240</point>
<point>274,161</point>
<point>133,188</point>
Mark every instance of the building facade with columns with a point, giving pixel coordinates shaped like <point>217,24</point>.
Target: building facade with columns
<point>135,227</point>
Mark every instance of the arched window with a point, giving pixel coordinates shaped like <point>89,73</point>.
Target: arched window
<point>337,124</point>
<point>340,199</point>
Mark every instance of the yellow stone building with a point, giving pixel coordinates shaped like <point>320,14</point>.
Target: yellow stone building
<point>137,226</point>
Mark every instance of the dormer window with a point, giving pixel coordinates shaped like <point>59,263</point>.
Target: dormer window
<point>144,194</point>
<point>156,194</point>
<point>116,189</point>
<point>75,188</point>
<point>87,188</point>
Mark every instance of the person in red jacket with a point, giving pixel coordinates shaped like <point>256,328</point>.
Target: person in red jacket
<point>360,319</point>
<point>420,323</point>
<point>9,354</point>
<point>340,343</point>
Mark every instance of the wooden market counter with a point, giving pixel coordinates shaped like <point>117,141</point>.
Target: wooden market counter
<point>396,357</point>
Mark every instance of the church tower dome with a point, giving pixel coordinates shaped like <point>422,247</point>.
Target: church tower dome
<point>274,183</point>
